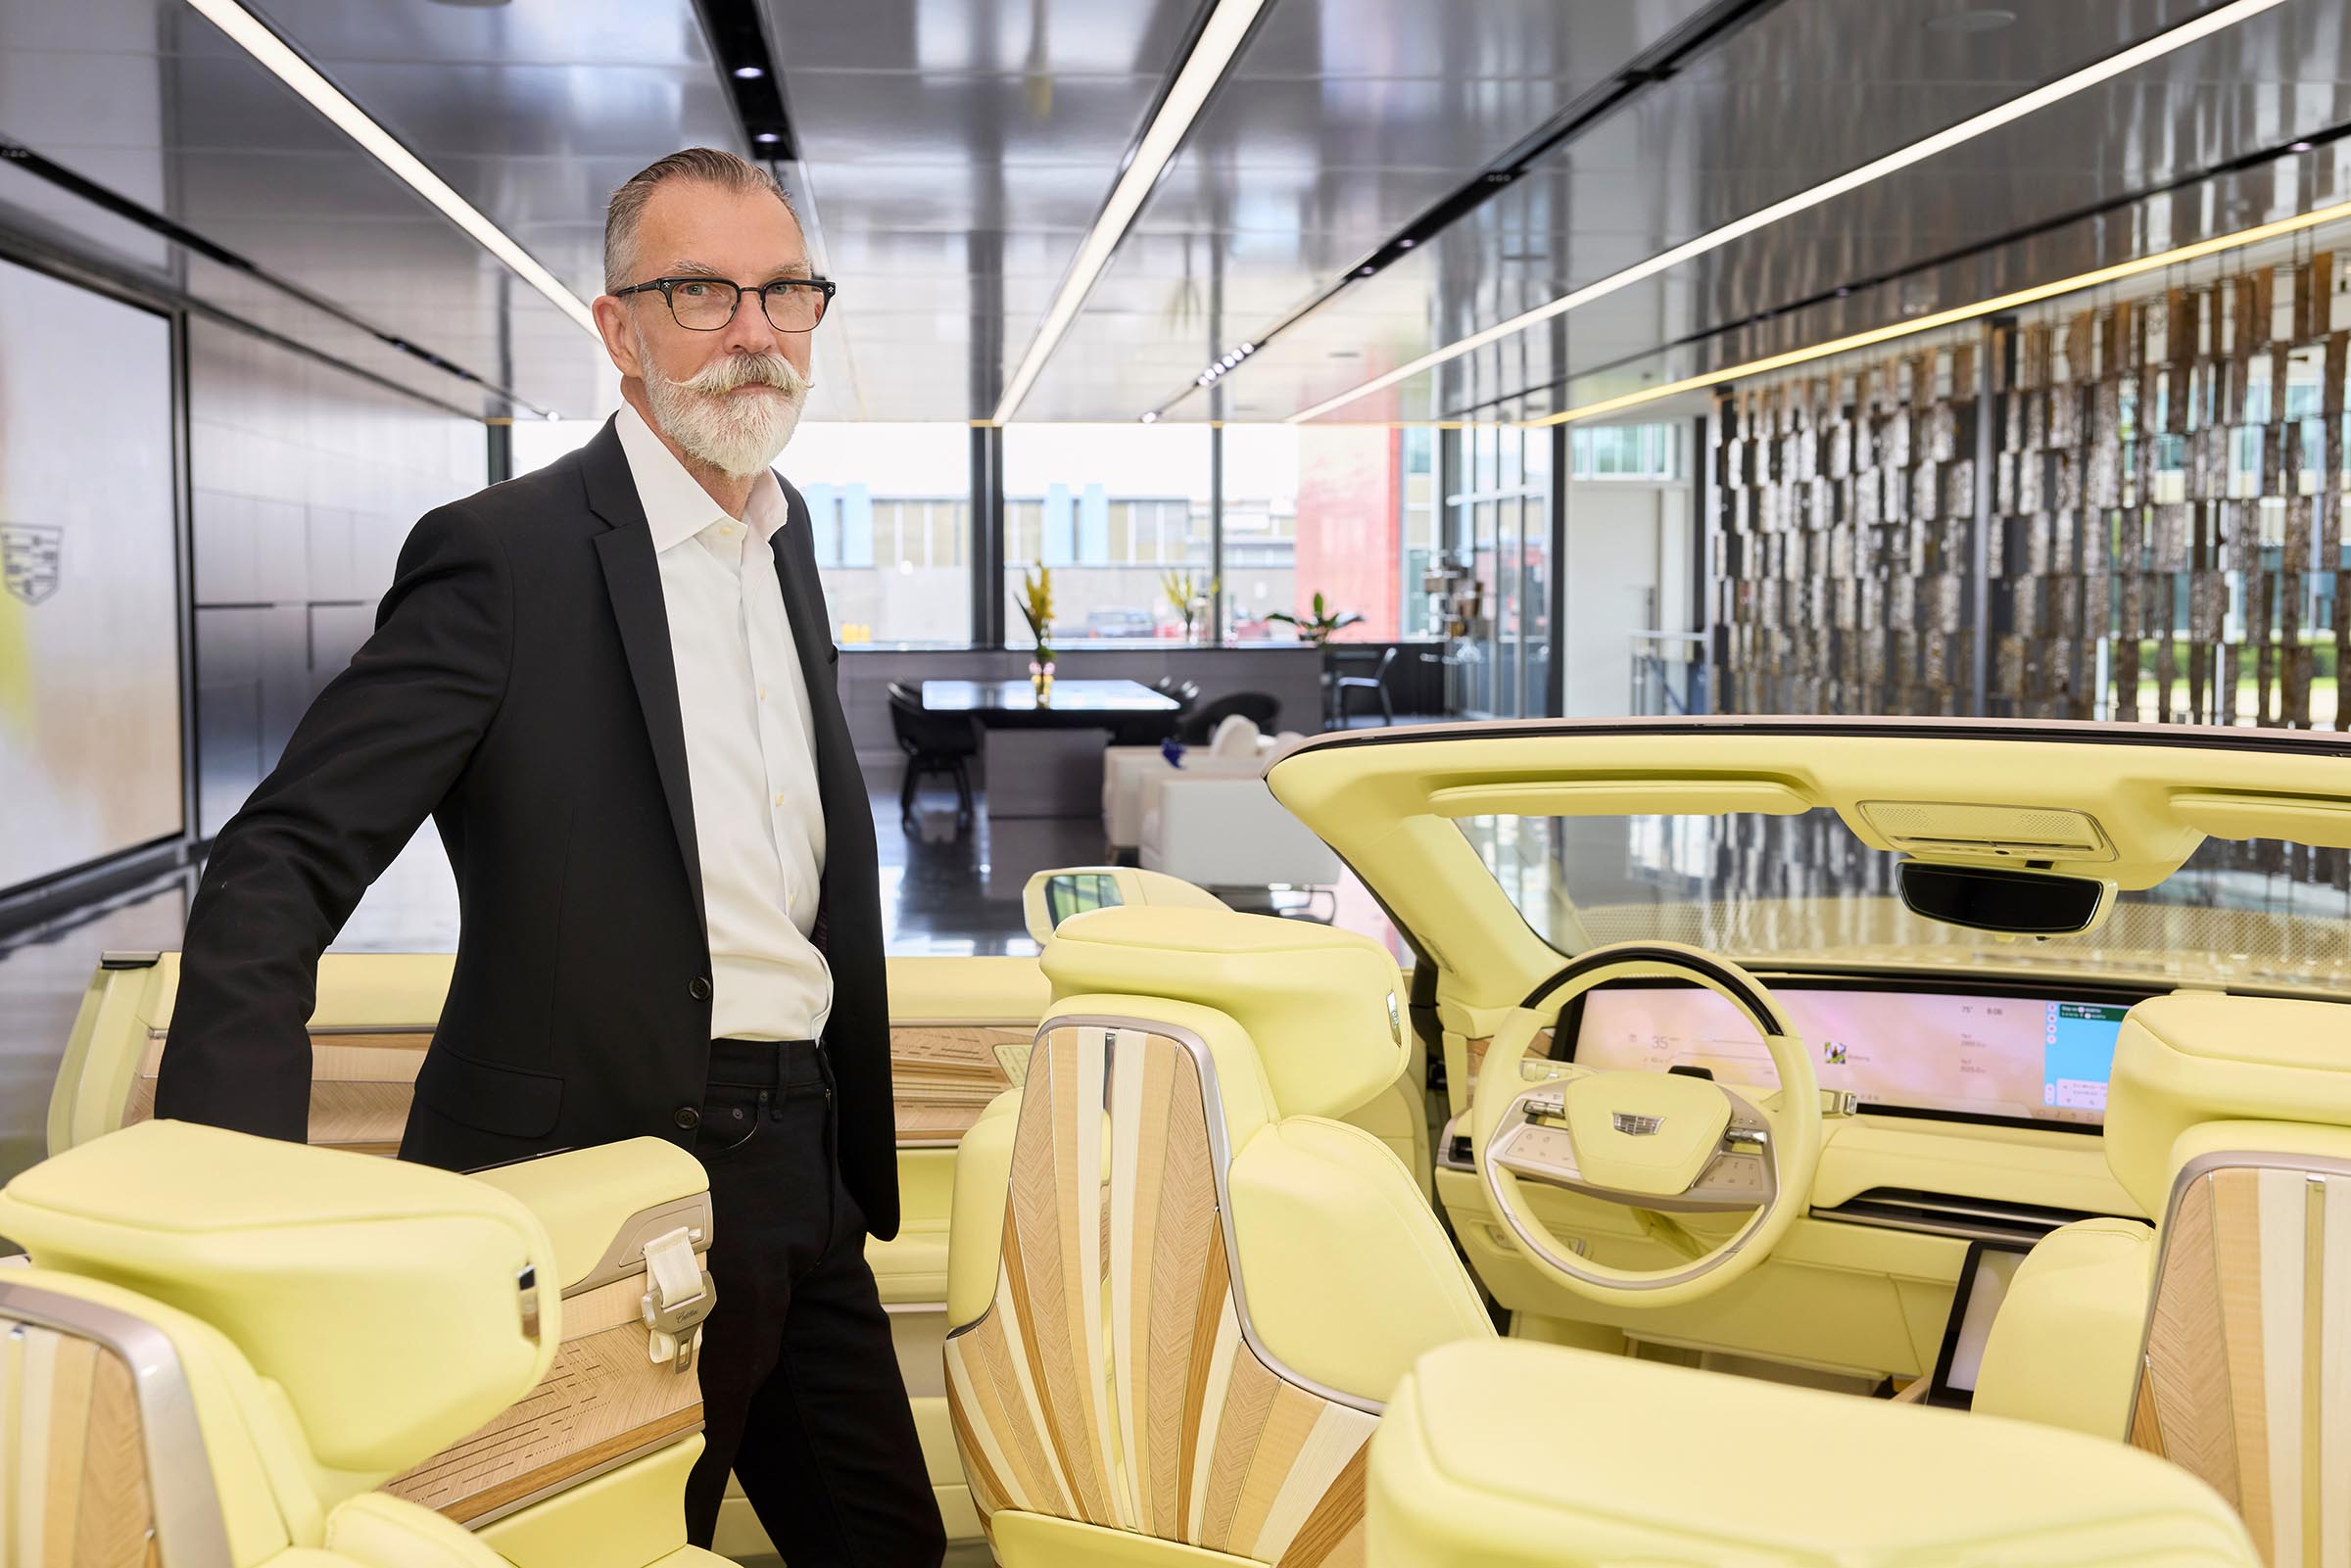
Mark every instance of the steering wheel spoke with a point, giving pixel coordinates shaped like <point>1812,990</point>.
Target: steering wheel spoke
<point>1744,1173</point>
<point>1660,1144</point>
<point>1535,1141</point>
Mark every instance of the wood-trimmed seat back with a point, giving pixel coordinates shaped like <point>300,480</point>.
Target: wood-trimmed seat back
<point>1112,1383</point>
<point>71,1432</point>
<point>2243,1378</point>
<point>133,1435</point>
<point>2229,1120</point>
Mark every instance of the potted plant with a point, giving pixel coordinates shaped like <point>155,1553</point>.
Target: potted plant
<point>1190,598</point>
<point>1317,627</point>
<point>1037,608</point>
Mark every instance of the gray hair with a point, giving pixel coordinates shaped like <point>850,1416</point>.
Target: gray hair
<point>708,164</point>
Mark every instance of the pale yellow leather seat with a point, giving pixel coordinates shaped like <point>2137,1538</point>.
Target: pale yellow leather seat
<point>2217,1339</point>
<point>1512,1454</point>
<point>234,1341</point>
<point>1171,1343</point>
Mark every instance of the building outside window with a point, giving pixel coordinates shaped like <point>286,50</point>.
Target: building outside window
<point>1112,509</point>
<point>1647,452</point>
<point>891,509</point>
<point>1352,512</point>
<point>1498,649</point>
<point>1347,511</point>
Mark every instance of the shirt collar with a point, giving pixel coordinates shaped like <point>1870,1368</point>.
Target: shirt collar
<point>675,505</point>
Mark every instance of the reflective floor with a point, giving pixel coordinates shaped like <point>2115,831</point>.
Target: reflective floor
<point>943,894</point>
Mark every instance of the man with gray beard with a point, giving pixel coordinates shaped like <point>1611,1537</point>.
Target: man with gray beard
<point>611,685</point>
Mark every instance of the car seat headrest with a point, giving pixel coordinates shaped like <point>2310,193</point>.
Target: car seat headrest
<point>1323,1008</point>
<point>2192,1057</point>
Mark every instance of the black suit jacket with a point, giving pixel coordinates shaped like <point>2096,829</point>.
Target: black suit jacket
<point>520,688</point>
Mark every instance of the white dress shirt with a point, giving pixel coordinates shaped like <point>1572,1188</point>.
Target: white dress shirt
<point>750,745</point>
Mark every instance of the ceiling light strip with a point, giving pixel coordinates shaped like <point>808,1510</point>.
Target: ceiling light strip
<point>1952,318</point>
<point>2218,19</point>
<point>1203,69</point>
<point>277,57</point>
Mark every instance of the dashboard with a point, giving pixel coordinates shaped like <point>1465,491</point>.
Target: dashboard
<point>1937,1052</point>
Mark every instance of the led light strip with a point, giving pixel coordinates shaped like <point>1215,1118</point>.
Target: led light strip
<point>2210,22</point>
<point>273,55</point>
<point>1211,55</point>
<point>1951,318</point>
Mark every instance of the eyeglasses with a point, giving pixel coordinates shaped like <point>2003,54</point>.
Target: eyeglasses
<point>705,305</point>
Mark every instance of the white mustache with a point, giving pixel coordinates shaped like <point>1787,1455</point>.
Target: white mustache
<point>746,370</point>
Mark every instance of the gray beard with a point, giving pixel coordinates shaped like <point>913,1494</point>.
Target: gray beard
<point>740,436</point>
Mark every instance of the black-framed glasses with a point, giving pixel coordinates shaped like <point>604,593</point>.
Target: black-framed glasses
<point>705,305</point>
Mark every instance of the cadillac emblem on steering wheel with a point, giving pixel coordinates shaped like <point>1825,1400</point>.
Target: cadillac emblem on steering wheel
<point>1633,1126</point>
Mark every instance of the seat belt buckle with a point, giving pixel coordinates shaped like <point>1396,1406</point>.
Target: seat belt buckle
<point>679,1297</point>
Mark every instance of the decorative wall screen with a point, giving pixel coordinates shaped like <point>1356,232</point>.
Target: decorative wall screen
<point>2159,509</point>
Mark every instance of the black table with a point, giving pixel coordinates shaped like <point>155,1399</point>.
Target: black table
<point>1044,759</point>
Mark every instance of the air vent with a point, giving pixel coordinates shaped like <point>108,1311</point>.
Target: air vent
<point>1941,1215</point>
<point>2021,833</point>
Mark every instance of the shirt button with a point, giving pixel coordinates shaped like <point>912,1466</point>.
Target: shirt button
<point>687,1118</point>
<point>698,988</point>
<point>763,693</point>
<point>779,798</point>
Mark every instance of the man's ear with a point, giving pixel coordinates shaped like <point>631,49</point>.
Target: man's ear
<point>612,325</point>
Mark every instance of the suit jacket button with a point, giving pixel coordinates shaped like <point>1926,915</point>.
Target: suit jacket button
<point>687,1118</point>
<point>698,988</point>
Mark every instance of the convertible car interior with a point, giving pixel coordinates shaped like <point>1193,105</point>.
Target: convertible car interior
<point>1783,1141</point>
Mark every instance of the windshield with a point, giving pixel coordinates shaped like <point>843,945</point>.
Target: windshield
<point>1804,889</point>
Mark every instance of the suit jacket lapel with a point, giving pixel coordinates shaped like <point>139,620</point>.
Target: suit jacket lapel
<point>812,639</point>
<point>633,576</point>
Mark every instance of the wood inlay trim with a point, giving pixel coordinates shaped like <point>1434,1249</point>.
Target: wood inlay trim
<point>1339,1515</point>
<point>604,1397</point>
<point>549,1477</point>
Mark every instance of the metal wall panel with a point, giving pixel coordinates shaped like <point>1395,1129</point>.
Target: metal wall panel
<point>305,481</point>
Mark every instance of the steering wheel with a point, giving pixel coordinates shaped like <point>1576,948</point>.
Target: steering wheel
<point>1661,1142</point>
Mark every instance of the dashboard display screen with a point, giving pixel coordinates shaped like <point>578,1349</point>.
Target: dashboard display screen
<point>1986,1056</point>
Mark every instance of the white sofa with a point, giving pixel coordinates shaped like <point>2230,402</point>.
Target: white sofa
<point>1126,770</point>
<point>1221,827</point>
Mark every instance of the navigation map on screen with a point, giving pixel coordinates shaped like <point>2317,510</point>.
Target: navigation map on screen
<point>1998,1056</point>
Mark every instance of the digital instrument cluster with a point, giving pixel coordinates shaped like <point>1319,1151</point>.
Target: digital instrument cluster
<point>2010,1057</point>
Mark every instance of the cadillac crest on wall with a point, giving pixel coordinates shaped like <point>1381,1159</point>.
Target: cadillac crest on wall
<point>30,559</point>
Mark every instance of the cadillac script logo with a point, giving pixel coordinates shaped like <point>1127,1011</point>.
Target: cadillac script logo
<point>28,559</point>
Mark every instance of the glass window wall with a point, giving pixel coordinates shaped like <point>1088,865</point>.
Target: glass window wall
<point>1114,510</point>
<point>1352,512</point>
<point>890,508</point>
<point>1346,511</point>
<point>1496,574</point>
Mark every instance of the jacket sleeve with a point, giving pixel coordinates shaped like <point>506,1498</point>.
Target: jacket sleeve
<point>378,751</point>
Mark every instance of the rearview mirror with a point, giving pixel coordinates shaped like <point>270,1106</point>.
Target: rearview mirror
<point>1053,896</point>
<point>2016,903</point>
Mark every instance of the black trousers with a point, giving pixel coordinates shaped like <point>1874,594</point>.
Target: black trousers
<point>801,1396</point>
